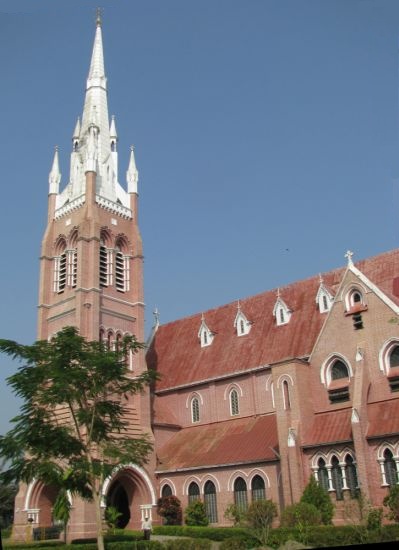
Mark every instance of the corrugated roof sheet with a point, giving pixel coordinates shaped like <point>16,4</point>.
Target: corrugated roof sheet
<point>329,427</point>
<point>235,441</point>
<point>177,355</point>
<point>383,418</point>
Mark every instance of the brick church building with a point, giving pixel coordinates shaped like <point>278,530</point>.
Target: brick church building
<point>254,397</point>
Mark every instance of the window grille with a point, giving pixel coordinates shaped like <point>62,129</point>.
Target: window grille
<point>240,494</point>
<point>336,475</point>
<point>119,272</point>
<point>193,492</point>
<point>322,474</point>
<point>195,411</point>
<point>104,267</point>
<point>258,489</point>
<point>210,502</point>
<point>234,406</point>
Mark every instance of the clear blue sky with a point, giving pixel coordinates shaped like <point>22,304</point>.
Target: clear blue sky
<point>266,136</point>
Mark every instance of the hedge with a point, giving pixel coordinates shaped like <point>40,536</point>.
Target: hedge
<point>212,533</point>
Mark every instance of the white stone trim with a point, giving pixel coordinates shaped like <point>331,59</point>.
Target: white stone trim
<point>325,370</point>
<point>71,206</point>
<point>139,470</point>
<point>383,355</point>
<point>260,473</point>
<point>209,477</point>
<point>167,481</point>
<point>114,207</point>
<point>387,301</point>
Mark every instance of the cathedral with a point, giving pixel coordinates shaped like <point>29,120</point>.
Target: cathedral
<point>253,397</point>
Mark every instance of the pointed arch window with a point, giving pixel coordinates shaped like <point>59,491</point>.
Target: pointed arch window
<point>351,476</point>
<point>106,266</point>
<point>240,494</point>
<point>210,502</point>
<point>258,488</point>
<point>234,403</point>
<point>286,395</point>
<point>195,409</point>
<point>65,267</point>
<point>336,476</point>
<point>322,474</point>
<point>122,271</point>
<point>338,381</point>
<point>193,492</point>
<point>390,468</point>
<point>166,491</point>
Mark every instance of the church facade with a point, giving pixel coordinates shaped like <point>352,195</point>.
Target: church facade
<point>254,397</point>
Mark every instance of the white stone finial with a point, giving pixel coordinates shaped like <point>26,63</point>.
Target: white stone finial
<point>76,132</point>
<point>132,175</point>
<point>320,278</point>
<point>98,17</point>
<point>112,129</point>
<point>55,174</point>
<point>349,255</point>
<point>156,316</point>
<point>238,305</point>
<point>278,292</point>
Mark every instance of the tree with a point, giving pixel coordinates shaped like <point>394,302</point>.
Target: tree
<point>315,494</point>
<point>195,514</point>
<point>170,508</point>
<point>112,515</point>
<point>300,513</point>
<point>391,501</point>
<point>7,496</point>
<point>72,425</point>
<point>259,516</point>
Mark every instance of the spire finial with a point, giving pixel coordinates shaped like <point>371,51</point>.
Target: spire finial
<point>349,255</point>
<point>320,278</point>
<point>278,292</point>
<point>98,17</point>
<point>156,316</point>
<point>238,305</point>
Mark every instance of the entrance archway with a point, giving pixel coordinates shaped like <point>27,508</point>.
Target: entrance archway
<point>119,499</point>
<point>128,490</point>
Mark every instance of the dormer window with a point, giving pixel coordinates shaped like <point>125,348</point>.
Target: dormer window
<point>241,323</point>
<point>205,335</point>
<point>281,312</point>
<point>355,305</point>
<point>324,298</point>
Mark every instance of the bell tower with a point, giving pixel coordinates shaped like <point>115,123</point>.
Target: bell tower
<point>91,258</point>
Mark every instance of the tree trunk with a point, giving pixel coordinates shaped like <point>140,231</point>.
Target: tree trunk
<point>99,521</point>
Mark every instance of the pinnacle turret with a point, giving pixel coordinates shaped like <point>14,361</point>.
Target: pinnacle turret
<point>132,175</point>
<point>55,175</point>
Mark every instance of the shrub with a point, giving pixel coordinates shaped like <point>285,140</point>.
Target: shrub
<point>391,501</point>
<point>260,517</point>
<point>170,509</point>
<point>374,519</point>
<point>235,543</point>
<point>315,494</point>
<point>301,513</point>
<point>195,514</point>
<point>235,514</point>
<point>188,544</point>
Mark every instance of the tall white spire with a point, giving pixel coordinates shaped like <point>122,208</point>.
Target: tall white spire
<point>55,174</point>
<point>132,175</point>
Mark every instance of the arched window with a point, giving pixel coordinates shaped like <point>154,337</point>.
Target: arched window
<point>242,328</point>
<point>391,474</point>
<point>234,405</point>
<point>336,475</point>
<point>110,339</point>
<point>210,502</point>
<point>118,341</point>
<point>258,488</point>
<point>339,370</point>
<point>394,358</point>
<point>101,335</point>
<point>282,316</point>
<point>195,410</point>
<point>286,394</point>
<point>166,491</point>
<point>325,302</point>
<point>193,492</point>
<point>240,494</point>
<point>351,475</point>
<point>322,474</point>
<point>60,267</point>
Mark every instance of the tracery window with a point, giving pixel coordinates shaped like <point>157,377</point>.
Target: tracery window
<point>390,470</point>
<point>210,502</point>
<point>240,494</point>
<point>336,476</point>
<point>258,488</point>
<point>322,474</point>
<point>193,492</point>
<point>351,476</point>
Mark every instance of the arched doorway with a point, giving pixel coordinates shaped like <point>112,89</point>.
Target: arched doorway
<point>118,498</point>
<point>129,490</point>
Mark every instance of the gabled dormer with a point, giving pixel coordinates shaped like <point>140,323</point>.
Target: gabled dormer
<point>205,335</point>
<point>281,311</point>
<point>241,322</point>
<point>324,298</point>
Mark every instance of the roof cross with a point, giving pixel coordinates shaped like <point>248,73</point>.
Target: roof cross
<point>349,255</point>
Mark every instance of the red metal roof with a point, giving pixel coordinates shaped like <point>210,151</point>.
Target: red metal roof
<point>235,441</point>
<point>329,427</point>
<point>383,418</point>
<point>177,355</point>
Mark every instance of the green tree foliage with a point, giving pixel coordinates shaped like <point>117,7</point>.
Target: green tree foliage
<point>195,514</point>
<point>391,501</point>
<point>7,496</point>
<point>71,427</point>
<point>235,514</point>
<point>259,516</point>
<point>301,513</point>
<point>315,494</point>
<point>170,509</point>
